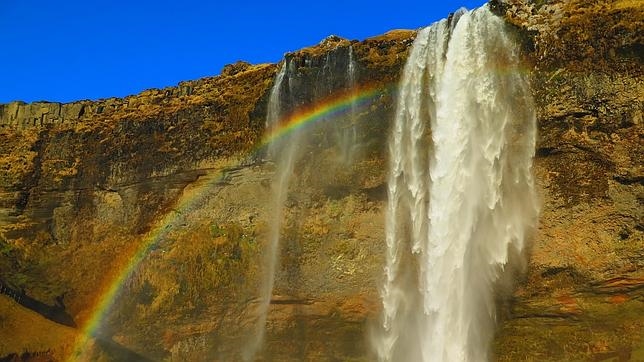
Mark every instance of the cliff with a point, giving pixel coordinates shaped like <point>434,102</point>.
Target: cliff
<point>84,184</point>
<point>583,295</point>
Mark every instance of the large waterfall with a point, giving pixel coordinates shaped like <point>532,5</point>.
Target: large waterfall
<point>461,194</point>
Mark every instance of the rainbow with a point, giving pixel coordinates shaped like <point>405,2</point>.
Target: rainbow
<point>333,106</point>
<point>120,273</point>
<point>328,108</point>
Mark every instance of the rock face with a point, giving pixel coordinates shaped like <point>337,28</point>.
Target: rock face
<point>84,185</point>
<point>79,196</point>
<point>584,287</point>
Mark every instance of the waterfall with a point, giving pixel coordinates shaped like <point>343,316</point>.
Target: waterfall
<point>347,132</point>
<point>279,188</point>
<point>273,112</point>
<point>291,89</point>
<point>461,190</point>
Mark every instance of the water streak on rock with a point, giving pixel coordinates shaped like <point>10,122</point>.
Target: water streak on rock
<point>292,89</point>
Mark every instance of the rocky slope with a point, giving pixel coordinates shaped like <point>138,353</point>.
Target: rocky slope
<point>84,184</point>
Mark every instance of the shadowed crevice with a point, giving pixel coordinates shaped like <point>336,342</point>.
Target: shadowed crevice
<point>55,313</point>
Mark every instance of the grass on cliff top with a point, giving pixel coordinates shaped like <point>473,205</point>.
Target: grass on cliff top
<point>624,4</point>
<point>395,35</point>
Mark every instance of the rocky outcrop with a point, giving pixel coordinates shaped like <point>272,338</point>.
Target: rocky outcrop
<point>585,281</point>
<point>84,183</point>
<point>581,35</point>
<point>22,115</point>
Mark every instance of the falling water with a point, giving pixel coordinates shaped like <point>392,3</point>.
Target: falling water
<point>274,107</point>
<point>347,132</point>
<point>289,91</point>
<point>461,196</point>
<point>279,188</point>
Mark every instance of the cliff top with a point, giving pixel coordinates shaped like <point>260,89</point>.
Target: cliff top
<point>232,83</point>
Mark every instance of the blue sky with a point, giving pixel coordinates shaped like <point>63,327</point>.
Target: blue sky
<point>70,50</point>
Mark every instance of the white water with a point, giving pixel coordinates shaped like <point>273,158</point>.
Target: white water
<point>346,133</point>
<point>285,152</point>
<point>273,112</point>
<point>279,188</point>
<point>461,195</point>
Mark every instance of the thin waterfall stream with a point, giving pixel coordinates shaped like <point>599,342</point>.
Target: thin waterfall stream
<point>288,94</point>
<point>279,189</point>
<point>347,134</point>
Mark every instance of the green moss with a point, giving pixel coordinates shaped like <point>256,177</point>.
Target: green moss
<point>6,249</point>
<point>216,231</point>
